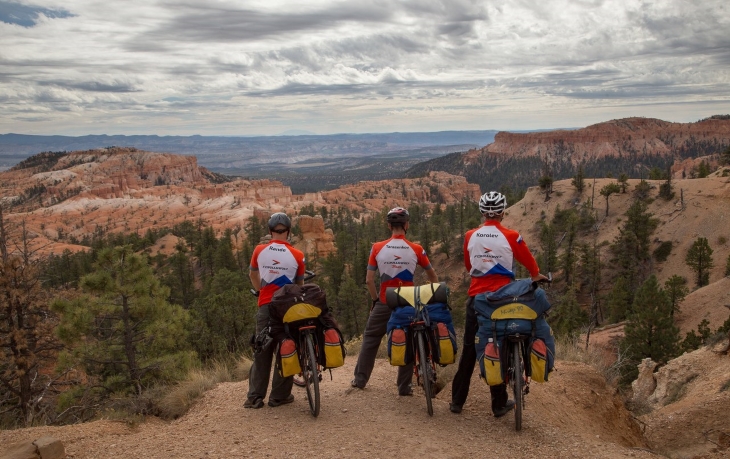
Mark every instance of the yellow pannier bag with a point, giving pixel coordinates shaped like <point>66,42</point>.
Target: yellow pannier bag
<point>539,361</point>
<point>288,358</point>
<point>446,343</point>
<point>334,351</point>
<point>492,365</point>
<point>398,347</point>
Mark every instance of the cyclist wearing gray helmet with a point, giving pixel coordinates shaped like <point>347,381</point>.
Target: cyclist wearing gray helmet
<point>396,260</point>
<point>489,255</point>
<point>273,265</point>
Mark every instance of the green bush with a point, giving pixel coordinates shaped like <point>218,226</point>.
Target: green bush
<point>662,252</point>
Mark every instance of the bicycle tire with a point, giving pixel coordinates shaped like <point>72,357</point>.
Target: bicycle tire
<point>517,382</point>
<point>311,378</point>
<point>425,371</point>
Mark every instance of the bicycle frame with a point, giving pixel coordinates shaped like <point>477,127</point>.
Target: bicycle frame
<point>424,368</point>
<point>311,371</point>
<point>516,374</point>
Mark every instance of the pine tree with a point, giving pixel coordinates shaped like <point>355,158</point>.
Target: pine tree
<point>568,317</point>
<point>180,277</point>
<point>619,300</point>
<point>676,289</point>
<point>579,179</point>
<point>631,246</point>
<point>608,190</point>
<point>548,258</point>
<point>224,317</point>
<point>123,332</point>
<point>27,343</point>
<point>699,258</point>
<point>650,331</point>
<point>353,306</point>
<point>590,277</point>
<point>725,156</point>
<point>546,184</point>
<point>569,257</point>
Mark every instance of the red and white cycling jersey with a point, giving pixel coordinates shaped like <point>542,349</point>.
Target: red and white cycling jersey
<point>396,259</point>
<point>278,264</point>
<point>489,255</point>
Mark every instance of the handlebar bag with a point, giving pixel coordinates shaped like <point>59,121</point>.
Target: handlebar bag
<point>521,292</point>
<point>294,302</point>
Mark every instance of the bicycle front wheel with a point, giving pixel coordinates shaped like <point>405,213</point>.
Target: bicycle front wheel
<point>426,370</point>
<point>517,382</point>
<point>310,374</point>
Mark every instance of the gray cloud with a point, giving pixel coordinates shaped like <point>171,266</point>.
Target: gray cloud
<point>202,22</point>
<point>359,65</point>
<point>94,86</point>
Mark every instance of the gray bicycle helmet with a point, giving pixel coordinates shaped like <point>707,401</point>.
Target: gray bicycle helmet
<point>492,204</point>
<point>398,215</point>
<point>279,218</point>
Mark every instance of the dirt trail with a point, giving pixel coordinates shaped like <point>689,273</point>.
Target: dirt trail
<point>574,415</point>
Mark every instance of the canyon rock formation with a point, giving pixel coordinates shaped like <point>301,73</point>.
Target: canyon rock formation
<point>628,136</point>
<point>64,198</point>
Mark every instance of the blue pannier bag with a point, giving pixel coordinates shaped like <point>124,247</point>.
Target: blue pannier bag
<point>443,335</point>
<point>523,306</point>
<point>400,346</point>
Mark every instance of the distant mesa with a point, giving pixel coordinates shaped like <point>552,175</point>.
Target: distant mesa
<point>294,132</point>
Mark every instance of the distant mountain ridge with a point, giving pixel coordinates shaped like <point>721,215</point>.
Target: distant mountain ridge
<point>222,151</point>
<point>629,145</point>
<point>306,163</point>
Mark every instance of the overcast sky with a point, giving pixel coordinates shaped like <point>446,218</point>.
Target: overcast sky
<point>239,67</point>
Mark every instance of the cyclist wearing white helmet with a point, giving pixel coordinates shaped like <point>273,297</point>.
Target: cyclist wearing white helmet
<point>489,255</point>
<point>396,260</point>
<point>273,265</point>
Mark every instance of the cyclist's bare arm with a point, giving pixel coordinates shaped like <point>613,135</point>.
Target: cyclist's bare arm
<point>255,280</point>
<point>431,274</point>
<point>370,282</point>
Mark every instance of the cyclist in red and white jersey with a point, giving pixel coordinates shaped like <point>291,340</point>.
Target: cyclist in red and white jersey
<point>273,265</point>
<point>489,255</point>
<point>396,259</point>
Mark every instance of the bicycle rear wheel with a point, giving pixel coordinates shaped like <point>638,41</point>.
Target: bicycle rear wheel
<point>426,370</point>
<point>310,374</point>
<point>517,382</point>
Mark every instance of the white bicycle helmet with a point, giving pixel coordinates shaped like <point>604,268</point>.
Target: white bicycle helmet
<point>398,215</point>
<point>492,204</point>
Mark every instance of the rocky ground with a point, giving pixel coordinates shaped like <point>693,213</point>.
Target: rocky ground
<point>573,416</point>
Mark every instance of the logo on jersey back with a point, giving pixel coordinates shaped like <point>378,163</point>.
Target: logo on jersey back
<point>396,257</point>
<point>275,262</point>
